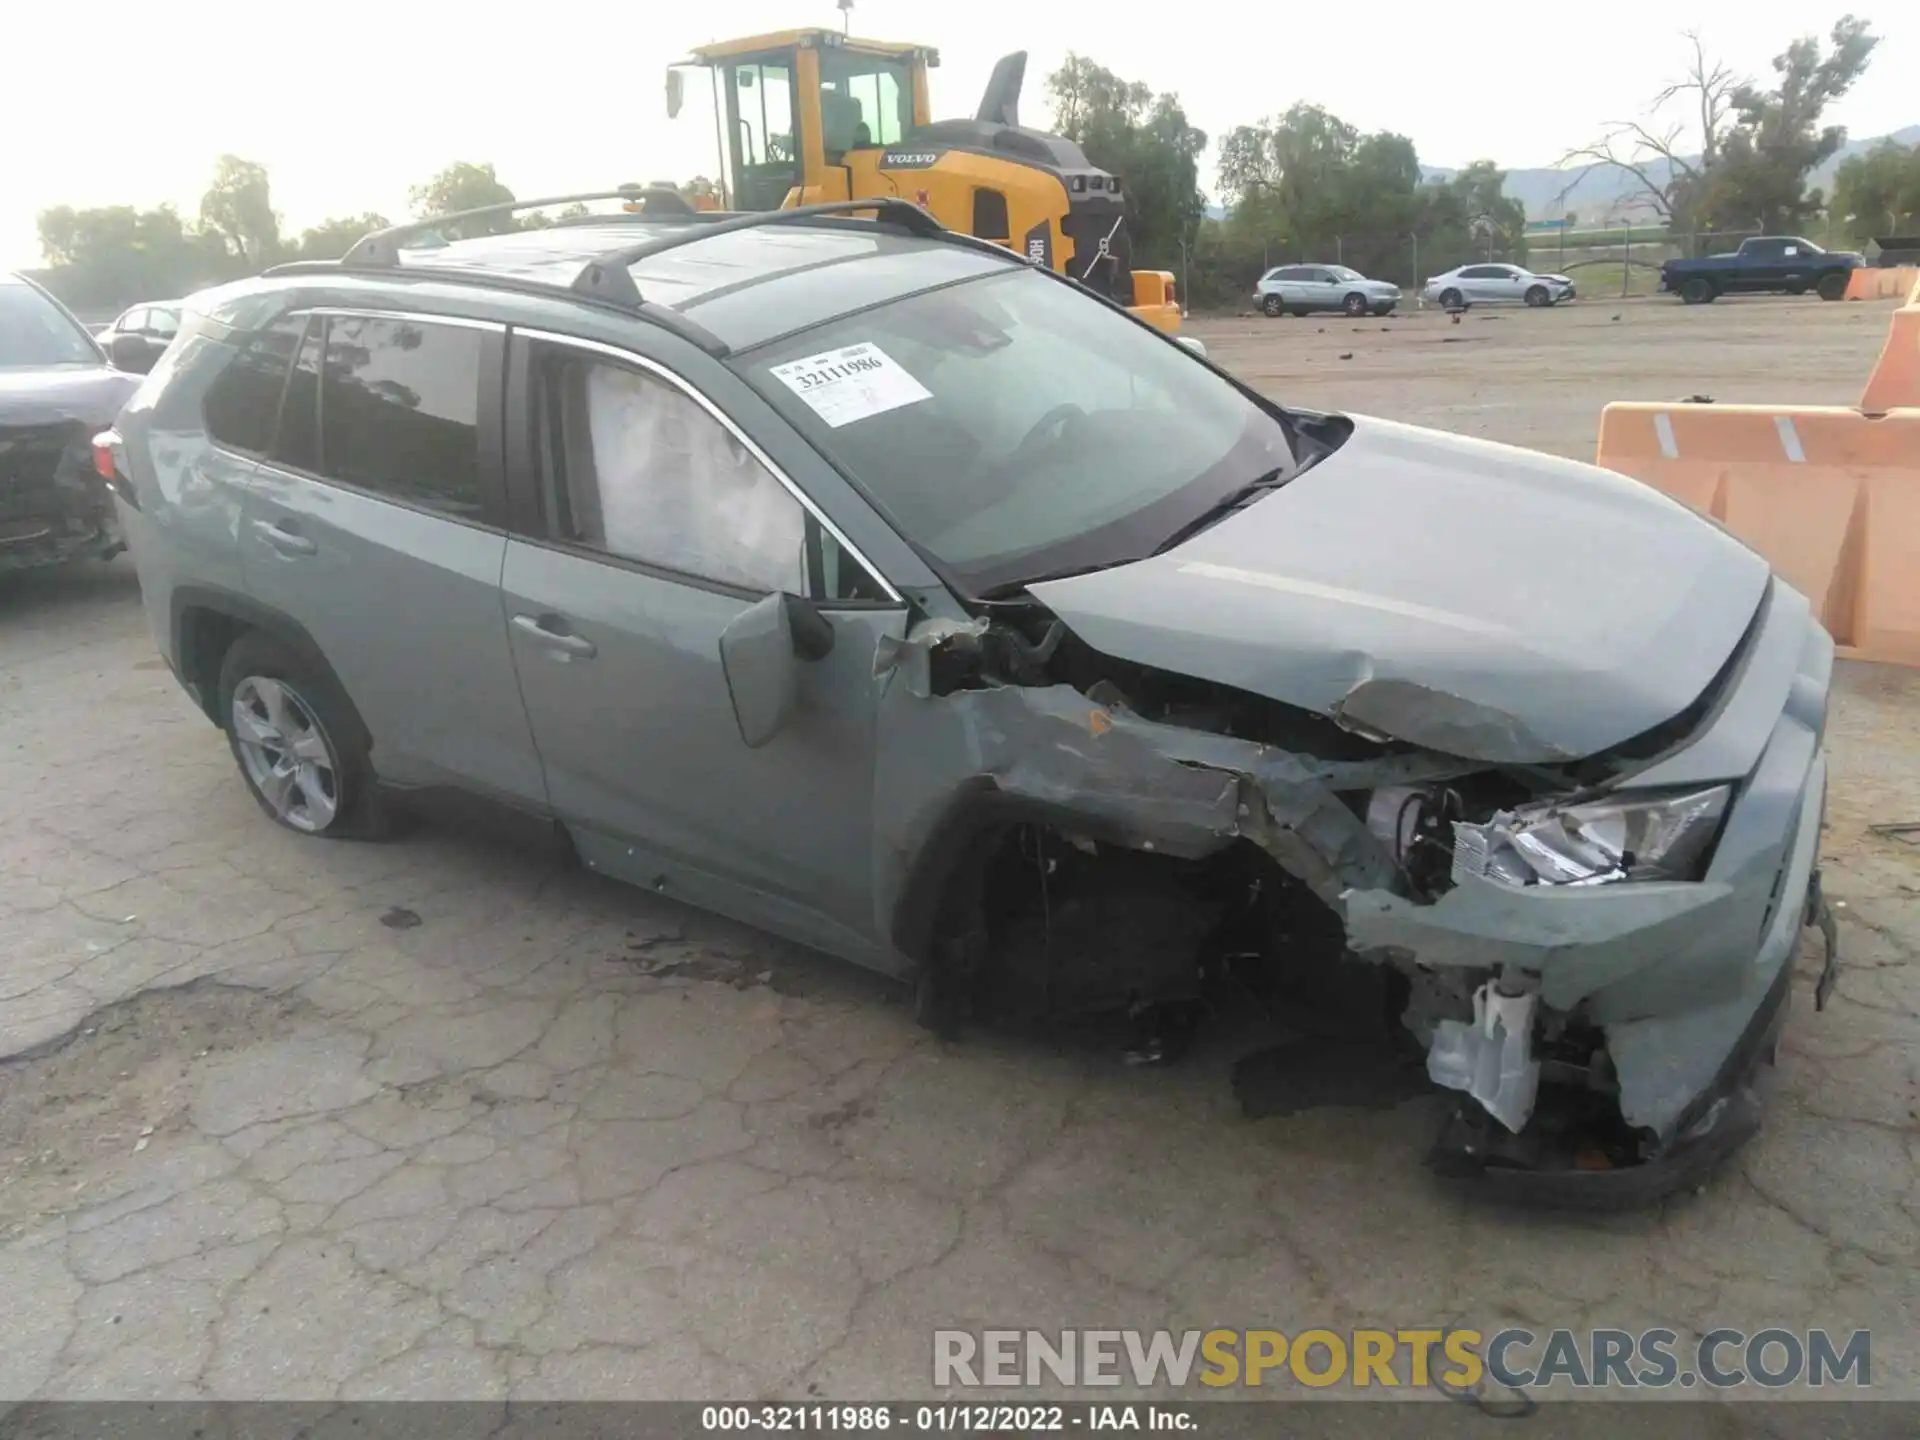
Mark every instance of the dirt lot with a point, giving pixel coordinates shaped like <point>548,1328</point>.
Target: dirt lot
<point>447,1118</point>
<point>1539,378</point>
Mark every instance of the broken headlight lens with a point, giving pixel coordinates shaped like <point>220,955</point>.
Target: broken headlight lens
<point>1659,838</point>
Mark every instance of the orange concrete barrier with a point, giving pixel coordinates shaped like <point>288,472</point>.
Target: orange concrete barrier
<point>1830,496</point>
<point>1891,283</point>
<point>1895,381</point>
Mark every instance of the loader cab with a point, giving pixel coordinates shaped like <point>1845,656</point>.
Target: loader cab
<point>804,116</point>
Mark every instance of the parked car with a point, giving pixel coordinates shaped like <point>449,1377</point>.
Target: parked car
<point>140,336</point>
<point>56,391</point>
<point>867,583</point>
<point>1301,289</point>
<point>1775,264</point>
<point>1469,285</point>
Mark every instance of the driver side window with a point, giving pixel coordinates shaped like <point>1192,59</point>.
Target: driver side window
<point>641,471</point>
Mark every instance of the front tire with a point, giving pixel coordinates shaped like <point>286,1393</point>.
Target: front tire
<point>1537,297</point>
<point>1833,286</point>
<point>1697,291</point>
<point>1272,307</point>
<point>1355,305</point>
<point>298,743</point>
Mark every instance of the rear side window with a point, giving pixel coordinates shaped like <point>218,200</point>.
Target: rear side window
<point>400,411</point>
<point>242,404</point>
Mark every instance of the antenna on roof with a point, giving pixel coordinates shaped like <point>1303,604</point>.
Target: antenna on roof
<point>846,14</point>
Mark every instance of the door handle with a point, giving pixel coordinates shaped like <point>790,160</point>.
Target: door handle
<point>566,645</point>
<point>283,540</point>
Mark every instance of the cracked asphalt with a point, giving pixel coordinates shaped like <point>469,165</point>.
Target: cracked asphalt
<point>263,1136</point>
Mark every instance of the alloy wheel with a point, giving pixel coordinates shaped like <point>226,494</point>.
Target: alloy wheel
<point>286,753</point>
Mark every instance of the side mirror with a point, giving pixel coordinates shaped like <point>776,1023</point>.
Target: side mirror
<point>129,352</point>
<point>761,652</point>
<point>676,92</point>
<point>1194,344</point>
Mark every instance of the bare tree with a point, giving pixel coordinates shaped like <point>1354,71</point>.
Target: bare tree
<point>1664,159</point>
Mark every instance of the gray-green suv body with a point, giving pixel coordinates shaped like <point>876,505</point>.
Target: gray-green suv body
<point>869,584</point>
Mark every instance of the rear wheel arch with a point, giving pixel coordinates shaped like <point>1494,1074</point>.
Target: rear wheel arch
<point>207,623</point>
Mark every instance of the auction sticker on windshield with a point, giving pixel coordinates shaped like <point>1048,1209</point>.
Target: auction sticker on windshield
<point>851,383</point>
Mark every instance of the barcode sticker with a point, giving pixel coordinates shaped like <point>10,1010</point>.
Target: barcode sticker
<point>851,383</point>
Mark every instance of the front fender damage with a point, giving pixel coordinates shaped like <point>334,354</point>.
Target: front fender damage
<point>1014,744</point>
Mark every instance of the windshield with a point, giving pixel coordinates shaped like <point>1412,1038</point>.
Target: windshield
<point>34,332</point>
<point>1014,427</point>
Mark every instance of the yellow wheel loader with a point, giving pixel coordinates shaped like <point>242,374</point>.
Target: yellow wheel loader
<point>808,116</point>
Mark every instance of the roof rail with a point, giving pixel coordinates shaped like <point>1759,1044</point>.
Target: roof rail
<point>607,277</point>
<point>381,248</point>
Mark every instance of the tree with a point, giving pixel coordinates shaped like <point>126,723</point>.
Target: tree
<point>1777,141</point>
<point>332,238</point>
<point>116,255</point>
<point>238,209</point>
<point>464,186</point>
<point>1666,159</point>
<point>1878,193</point>
<point>1143,138</point>
<point>1320,190</point>
<point>1743,154</point>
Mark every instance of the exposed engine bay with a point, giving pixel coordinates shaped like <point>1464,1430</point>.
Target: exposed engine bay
<point>1191,848</point>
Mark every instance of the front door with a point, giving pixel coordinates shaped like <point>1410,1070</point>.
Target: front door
<point>660,527</point>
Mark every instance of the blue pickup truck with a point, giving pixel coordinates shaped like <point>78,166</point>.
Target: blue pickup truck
<point>1776,264</point>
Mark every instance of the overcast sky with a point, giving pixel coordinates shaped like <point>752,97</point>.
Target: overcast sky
<point>129,101</point>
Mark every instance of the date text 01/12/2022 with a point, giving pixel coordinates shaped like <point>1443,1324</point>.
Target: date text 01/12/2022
<point>954,1418</point>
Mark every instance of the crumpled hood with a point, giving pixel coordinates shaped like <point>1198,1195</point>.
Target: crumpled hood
<point>1485,601</point>
<point>90,394</point>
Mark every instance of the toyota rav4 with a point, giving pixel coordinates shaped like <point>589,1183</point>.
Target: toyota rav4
<point>869,584</point>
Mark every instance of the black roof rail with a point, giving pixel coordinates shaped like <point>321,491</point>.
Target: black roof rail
<point>605,280</point>
<point>381,249</point>
<point>606,277</point>
<point>660,315</point>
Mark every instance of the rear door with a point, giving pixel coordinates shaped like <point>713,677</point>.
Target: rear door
<point>1319,288</point>
<point>377,524</point>
<point>653,524</point>
<point>162,325</point>
<point>1763,263</point>
<point>1476,283</point>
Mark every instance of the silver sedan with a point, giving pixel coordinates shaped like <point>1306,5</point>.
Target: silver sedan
<point>1495,284</point>
<point>1300,289</point>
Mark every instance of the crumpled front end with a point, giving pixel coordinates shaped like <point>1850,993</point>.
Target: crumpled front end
<point>53,507</point>
<point>1595,955</point>
<point>1612,970</point>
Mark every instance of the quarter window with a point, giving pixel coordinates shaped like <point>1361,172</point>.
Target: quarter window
<point>399,411</point>
<point>642,472</point>
<point>242,404</point>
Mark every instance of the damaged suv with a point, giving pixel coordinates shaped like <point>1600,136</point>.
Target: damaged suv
<point>867,583</point>
<point>56,390</point>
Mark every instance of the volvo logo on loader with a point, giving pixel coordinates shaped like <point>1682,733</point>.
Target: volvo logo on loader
<point>909,159</point>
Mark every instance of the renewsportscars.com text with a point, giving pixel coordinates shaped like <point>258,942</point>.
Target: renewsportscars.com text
<point>1388,1359</point>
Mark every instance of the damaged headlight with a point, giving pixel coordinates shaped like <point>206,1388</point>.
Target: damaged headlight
<point>1660,838</point>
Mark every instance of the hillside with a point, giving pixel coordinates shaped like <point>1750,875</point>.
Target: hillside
<point>1602,188</point>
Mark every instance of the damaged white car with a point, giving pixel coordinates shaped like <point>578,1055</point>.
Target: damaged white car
<point>871,585</point>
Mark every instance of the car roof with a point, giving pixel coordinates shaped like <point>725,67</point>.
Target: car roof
<point>743,286</point>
